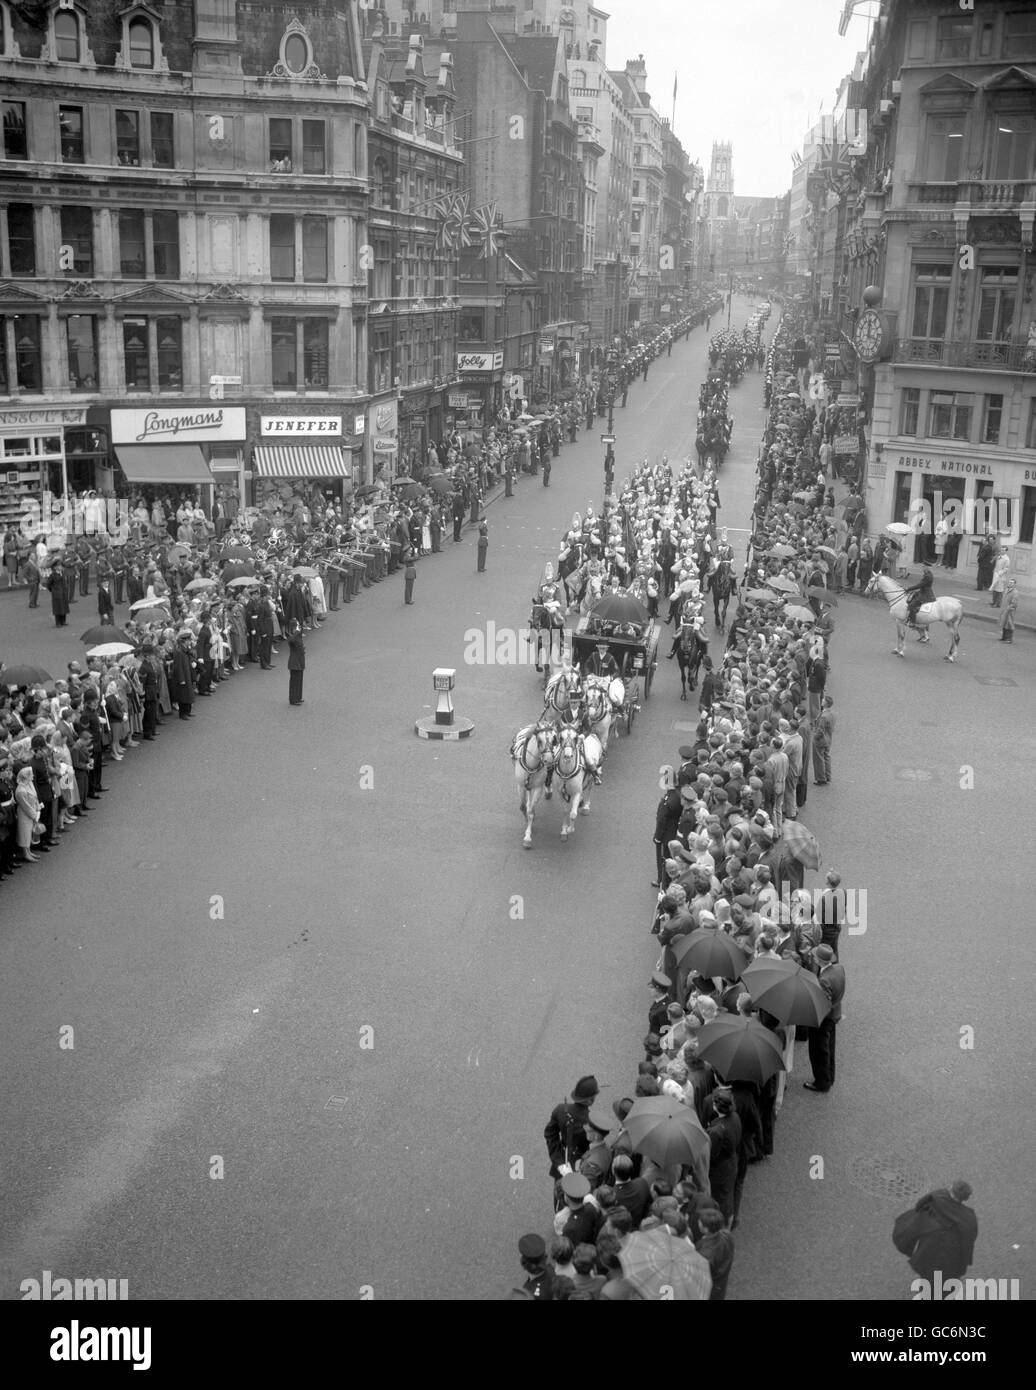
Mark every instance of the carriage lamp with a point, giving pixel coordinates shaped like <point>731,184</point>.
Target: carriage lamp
<point>442,683</point>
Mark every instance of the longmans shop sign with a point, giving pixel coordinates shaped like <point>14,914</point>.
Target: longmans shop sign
<point>191,424</point>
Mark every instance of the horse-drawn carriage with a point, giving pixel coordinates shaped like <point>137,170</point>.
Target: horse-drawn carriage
<point>625,648</point>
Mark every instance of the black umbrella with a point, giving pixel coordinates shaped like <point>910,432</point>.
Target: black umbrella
<point>237,570</point>
<point>105,632</point>
<point>23,673</point>
<point>620,608</point>
<point>237,552</point>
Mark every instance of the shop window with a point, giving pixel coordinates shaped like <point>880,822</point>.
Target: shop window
<point>949,415</point>
<point>909,410</point>
<point>21,239</point>
<point>28,372</point>
<point>70,126</point>
<point>66,36</point>
<point>992,418</point>
<point>315,354</point>
<point>141,44</point>
<point>1027,521</point>
<point>132,263</point>
<point>77,231</point>
<point>162,154</point>
<point>127,138</point>
<point>15,141</point>
<point>81,337</point>
<point>169,335</point>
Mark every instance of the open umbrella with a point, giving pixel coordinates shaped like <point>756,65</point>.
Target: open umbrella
<point>200,583</point>
<point>818,591</point>
<point>802,843</point>
<point>305,571</point>
<point>740,1049</point>
<point>666,1131</point>
<point>827,551</point>
<point>368,490</point>
<point>143,603</point>
<point>760,596</point>
<point>238,569</point>
<point>110,649</point>
<point>711,952</point>
<point>800,614</point>
<point>236,552</point>
<point>439,482</point>
<point>658,1265</point>
<point>402,480</point>
<point>780,551</point>
<point>782,585</point>
<point>243,581</point>
<point>620,608</point>
<point>161,616</point>
<point>105,632</point>
<point>409,490</point>
<point>898,528</point>
<point>787,990</point>
<point>23,673</point>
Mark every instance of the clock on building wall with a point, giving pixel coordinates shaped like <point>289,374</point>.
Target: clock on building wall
<point>870,336</point>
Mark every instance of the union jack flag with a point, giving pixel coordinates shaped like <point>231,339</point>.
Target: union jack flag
<point>482,224</point>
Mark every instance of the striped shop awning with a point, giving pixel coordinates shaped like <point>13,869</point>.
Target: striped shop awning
<point>301,461</point>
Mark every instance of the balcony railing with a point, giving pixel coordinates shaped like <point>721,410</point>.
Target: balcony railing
<point>999,357</point>
<point>992,193</point>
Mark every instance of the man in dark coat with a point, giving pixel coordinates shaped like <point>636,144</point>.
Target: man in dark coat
<point>724,1139</point>
<point>294,604</point>
<point>181,677</point>
<point>149,680</point>
<point>831,979</point>
<point>483,545</point>
<point>458,514</point>
<point>296,662</point>
<point>565,1133</point>
<point>252,627</point>
<point>945,1233</point>
<point>105,603</point>
<point>58,585</point>
<point>264,629</point>
<point>203,655</point>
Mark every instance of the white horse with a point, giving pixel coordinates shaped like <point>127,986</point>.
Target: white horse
<point>533,751</point>
<point>561,690</point>
<point>944,610</point>
<point>577,767</point>
<point>605,697</point>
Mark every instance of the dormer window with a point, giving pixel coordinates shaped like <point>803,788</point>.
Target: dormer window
<point>296,54</point>
<point>141,44</point>
<point>66,36</point>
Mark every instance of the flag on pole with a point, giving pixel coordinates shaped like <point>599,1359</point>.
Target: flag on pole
<point>675,77</point>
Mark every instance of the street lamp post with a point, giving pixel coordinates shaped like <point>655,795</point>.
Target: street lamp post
<point>609,455</point>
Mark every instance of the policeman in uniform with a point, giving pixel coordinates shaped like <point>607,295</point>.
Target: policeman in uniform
<point>532,1252</point>
<point>565,1134</point>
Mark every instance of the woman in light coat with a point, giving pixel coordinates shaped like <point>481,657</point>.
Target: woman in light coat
<point>28,804</point>
<point>1000,568</point>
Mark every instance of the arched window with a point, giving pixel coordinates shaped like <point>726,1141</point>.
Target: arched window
<point>141,44</point>
<point>66,37</point>
<point>721,208</point>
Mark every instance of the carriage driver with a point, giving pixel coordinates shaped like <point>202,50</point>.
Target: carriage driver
<point>602,663</point>
<point>918,594</point>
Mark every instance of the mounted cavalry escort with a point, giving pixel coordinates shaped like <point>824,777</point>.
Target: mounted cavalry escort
<point>918,608</point>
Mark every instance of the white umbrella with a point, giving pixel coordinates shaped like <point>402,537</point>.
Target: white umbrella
<point>110,649</point>
<point>898,528</point>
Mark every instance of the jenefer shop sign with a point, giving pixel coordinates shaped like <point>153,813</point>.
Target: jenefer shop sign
<point>480,361</point>
<point>192,424</point>
<point>301,426</point>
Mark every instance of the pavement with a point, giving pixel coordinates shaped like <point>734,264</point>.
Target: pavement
<point>323,1001</point>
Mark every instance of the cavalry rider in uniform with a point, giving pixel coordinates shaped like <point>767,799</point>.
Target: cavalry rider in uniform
<point>917,595</point>
<point>724,550</point>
